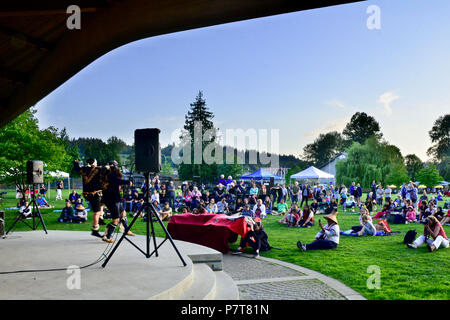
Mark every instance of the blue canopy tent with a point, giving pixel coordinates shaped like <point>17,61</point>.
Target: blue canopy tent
<point>261,174</point>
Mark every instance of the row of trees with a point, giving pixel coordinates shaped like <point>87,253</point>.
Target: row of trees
<point>370,157</point>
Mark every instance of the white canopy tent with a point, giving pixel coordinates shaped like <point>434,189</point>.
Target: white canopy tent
<point>312,173</point>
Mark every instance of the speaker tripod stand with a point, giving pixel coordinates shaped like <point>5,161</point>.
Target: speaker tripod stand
<point>150,213</point>
<point>35,213</point>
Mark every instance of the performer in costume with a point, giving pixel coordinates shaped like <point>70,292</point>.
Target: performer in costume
<point>111,182</point>
<point>92,190</point>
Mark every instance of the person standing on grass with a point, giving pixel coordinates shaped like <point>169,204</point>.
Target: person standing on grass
<point>59,188</point>
<point>387,194</point>
<point>379,195</point>
<point>373,188</point>
<point>327,237</point>
<point>295,192</point>
<point>358,194</point>
<point>435,230</point>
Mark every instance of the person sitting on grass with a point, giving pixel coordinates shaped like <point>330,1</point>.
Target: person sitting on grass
<point>434,229</point>
<point>42,203</point>
<point>166,212</point>
<point>370,202</point>
<point>292,217</point>
<point>282,208</point>
<point>381,214</point>
<point>247,211</point>
<point>327,237</point>
<point>80,215</point>
<point>306,218</point>
<point>439,214</point>
<point>74,196</point>
<point>314,206</point>
<point>323,205</point>
<point>259,209</point>
<point>67,213</point>
<point>446,220</point>
<point>24,210</point>
<point>256,237</point>
<point>333,205</point>
<point>350,203</point>
<point>411,215</point>
<point>222,206</point>
<point>212,207</point>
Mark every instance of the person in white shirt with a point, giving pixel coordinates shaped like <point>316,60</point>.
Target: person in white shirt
<point>387,194</point>
<point>222,206</point>
<point>155,196</point>
<point>259,209</point>
<point>327,237</point>
<point>25,210</point>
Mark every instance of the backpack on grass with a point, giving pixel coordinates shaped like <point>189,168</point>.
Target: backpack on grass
<point>410,236</point>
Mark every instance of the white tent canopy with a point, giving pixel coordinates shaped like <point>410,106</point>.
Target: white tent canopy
<point>57,174</point>
<point>312,173</point>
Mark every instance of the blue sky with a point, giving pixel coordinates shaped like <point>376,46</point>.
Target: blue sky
<point>303,73</point>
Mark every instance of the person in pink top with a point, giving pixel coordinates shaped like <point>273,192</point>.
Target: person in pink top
<point>434,230</point>
<point>188,198</point>
<point>411,214</point>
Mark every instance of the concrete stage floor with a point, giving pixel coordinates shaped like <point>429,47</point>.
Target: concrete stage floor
<point>128,275</point>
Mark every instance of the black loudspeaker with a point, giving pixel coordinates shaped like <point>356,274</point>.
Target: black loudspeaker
<point>272,182</point>
<point>147,150</point>
<point>35,172</point>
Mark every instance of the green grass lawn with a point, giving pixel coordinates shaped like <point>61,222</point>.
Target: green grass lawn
<point>405,273</point>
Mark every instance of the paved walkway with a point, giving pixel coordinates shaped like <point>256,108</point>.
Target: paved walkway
<point>270,279</point>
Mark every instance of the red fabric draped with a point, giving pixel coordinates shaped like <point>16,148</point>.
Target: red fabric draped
<point>215,231</point>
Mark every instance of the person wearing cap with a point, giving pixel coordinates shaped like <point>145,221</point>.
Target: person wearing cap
<point>111,182</point>
<point>328,236</point>
<point>432,229</point>
<point>92,190</point>
<point>80,215</point>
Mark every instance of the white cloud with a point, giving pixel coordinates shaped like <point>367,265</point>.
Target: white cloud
<point>386,99</point>
<point>336,125</point>
<point>335,103</point>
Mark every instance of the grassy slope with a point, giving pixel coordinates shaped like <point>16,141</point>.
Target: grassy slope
<point>405,273</point>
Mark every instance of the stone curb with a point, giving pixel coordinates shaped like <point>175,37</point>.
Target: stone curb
<point>341,288</point>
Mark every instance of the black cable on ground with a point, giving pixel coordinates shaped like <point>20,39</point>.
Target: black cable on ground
<point>104,254</point>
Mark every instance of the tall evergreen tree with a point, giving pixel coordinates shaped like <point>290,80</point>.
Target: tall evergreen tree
<point>198,113</point>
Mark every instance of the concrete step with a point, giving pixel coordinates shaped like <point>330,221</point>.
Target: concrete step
<point>203,286</point>
<point>226,288</point>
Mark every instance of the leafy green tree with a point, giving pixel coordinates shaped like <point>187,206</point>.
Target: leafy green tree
<point>370,161</point>
<point>440,150</point>
<point>360,128</point>
<point>429,176</point>
<point>397,175</point>
<point>324,148</point>
<point>413,165</point>
<point>22,140</point>
<point>440,136</point>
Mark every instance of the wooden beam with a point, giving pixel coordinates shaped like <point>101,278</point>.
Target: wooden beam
<point>13,76</point>
<point>21,37</point>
